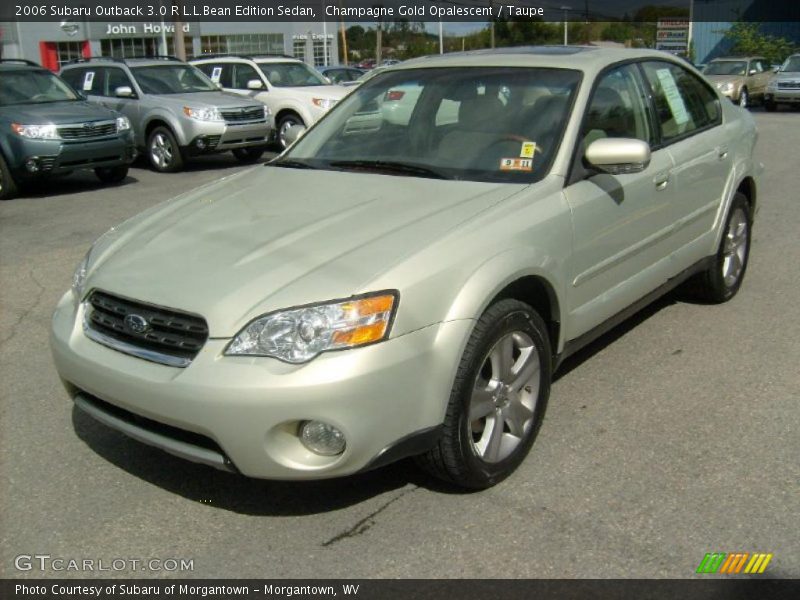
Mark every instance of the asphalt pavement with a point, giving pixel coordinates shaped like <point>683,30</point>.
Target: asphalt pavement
<point>673,436</point>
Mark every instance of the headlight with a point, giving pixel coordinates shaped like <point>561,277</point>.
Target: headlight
<point>123,123</point>
<point>203,114</point>
<point>299,334</point>
<point>725,87</point>
<point>36,132</point>
<point>79,277</point>
<point>324,103</point>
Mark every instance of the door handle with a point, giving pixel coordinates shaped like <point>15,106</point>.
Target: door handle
<point>661,181</point>
<point>722,152</point>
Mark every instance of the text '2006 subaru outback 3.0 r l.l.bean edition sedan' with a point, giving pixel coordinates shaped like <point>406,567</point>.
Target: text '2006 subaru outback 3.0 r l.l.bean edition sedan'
<point>421,303</point>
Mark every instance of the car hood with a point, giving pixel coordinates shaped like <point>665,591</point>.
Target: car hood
<point>336,92</point>
<point>718,80</point>
<point>57,112</point>
<point>787,76</point>
<point>272,237</point>
<point>208,100</point>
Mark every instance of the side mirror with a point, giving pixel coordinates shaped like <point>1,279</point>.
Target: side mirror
<point>124,91</point>
<point>775,69</point>
<point>753,71</point>
<point>293,134</point>
<point>255,84</point>
<point>618,156</point>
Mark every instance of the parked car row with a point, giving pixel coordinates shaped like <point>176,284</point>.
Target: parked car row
<point>746,80</point>
<point>167,109</point>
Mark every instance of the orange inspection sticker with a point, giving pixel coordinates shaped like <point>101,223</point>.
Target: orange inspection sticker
<point>516,164</point>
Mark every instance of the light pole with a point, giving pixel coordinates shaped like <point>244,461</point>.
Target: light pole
<point>566,10</point>
<point>441,38</point>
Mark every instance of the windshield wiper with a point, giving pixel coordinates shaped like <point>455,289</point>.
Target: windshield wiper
<point>387,166</point>
<point>290,164</point>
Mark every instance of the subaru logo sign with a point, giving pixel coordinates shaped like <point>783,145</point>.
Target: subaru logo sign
<point>70,27</point>
<point>136,323</point>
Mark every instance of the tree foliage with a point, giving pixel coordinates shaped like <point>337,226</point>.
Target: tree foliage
<point>748,39</point>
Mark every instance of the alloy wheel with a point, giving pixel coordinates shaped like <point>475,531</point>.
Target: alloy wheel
<point>504,397</point>
<point>161,151</point>
<point>734,250</point>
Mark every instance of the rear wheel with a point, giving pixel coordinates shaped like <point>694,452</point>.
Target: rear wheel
<point>498,398</point>
<point>286,121</point>
<point>248,155</point>
<point>722,280</point>
<point>112,174</point>
<point>163,151</point>
<point>8,187</point>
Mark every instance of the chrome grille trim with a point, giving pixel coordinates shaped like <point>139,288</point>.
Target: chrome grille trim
<point>82,131</point>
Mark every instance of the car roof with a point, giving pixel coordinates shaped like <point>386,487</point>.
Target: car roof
<point>583,58</point>
<point>252,58</point>
<point>732,58</point>
<point>131,62</point>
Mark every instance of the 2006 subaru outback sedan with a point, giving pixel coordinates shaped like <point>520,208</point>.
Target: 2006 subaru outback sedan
<point>384,290</point>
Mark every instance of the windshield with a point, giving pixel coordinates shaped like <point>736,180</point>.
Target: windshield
<point>172,79</point>
<point>291,74</point>
<point>476,124</point>
<point>28,86</point>
<point>727,67</point>
<point>792,65</point>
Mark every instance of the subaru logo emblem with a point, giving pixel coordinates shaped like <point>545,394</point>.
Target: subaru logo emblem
<point>136,323</point>
<point>88,126</point>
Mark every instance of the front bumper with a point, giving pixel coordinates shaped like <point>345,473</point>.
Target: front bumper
<point>783,96</point>
<point>250,408</point>
<point>204,137</point>
<point>55,157</point>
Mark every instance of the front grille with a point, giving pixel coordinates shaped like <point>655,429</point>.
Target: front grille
<point>241,115</point>
<point>46,163</point>
<point>87,130</point>
<point>158,334</point>
<point>789,85</point>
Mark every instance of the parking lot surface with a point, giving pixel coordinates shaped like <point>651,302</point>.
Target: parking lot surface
<point>673,436</point>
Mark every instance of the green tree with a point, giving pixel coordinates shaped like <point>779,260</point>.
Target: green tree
<point>748,39</point>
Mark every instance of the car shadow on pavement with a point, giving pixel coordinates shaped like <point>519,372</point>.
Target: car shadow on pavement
<point>581,356</point>
<point>68,185</point>
<point>240,494</point>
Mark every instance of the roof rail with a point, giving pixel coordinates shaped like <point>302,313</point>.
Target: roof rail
<point>22,61</point>
<point>154,57</point>
<point>96,58</point>
<point>244,56</point>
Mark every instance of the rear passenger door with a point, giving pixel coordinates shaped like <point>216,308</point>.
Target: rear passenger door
<point>690,122</point>
<point>622,223</point>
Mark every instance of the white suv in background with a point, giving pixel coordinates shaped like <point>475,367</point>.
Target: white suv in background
<point>295,93</point>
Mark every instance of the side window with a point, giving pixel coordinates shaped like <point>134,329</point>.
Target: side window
<point>618,108</point>
<point>683,102</point>
<point>218,73</point>
<point>336,75</point>
<point>74,77</point>
<point>758,66</point>
<point>115,78</point>
<point>242,73</point>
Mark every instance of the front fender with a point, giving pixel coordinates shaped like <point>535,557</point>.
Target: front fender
<point>159,114</point>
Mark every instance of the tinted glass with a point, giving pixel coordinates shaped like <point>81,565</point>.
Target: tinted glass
<point>242,73</point>
<point>619,108</point>
<point>116,78</point>
<point>792,65</point>
<point>683,102</point>
<point>33,87</point>
<point>727,67</point>
<point>172,79</point>
<point>291,74</point>
<point>478,124</point>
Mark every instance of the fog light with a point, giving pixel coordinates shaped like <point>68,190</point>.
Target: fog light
<point>32,164</point>
<point>200,143</point>
<point>322,438</point>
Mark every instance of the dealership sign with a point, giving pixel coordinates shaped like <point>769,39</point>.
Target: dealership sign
<point>672,35</point>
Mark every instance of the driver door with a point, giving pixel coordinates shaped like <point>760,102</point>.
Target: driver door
<point>621,223</point>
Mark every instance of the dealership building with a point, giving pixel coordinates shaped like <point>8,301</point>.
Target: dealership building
<point>53,44</point>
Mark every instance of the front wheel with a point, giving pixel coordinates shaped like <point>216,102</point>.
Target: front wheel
<point>284,124</point>
<point>722,280</point>
<point>8,187</point>
<point>112,174</point>
<point>163,151</point>
<point>744,98</point>
<point>248,155</point>
<point>497,401</point>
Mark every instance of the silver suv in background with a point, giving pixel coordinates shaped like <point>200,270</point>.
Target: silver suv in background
<point>176,111</point>
<point>785,88</point>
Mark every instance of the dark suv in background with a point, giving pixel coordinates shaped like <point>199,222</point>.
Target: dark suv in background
<point>46,128</point>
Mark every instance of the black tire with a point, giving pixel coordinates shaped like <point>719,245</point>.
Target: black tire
<point>8,187</point>
<point>458,458</point>
<point>744,98</point>
<point>284,123</point>
<point>248,155</point>
<point>770,106</point>
<point>112,174</point>
<point>713,285</point>
<point>163,151</point>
